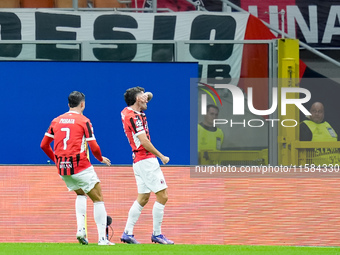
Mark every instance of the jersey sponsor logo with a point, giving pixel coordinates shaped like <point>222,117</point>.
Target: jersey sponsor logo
<point>67,121</point>
<point>65,164</point>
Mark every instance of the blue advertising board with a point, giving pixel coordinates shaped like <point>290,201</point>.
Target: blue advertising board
<point>33,93</point>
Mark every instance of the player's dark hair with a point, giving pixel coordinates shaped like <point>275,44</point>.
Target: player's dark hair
<point>212,106</point>
<point>131,94</point>
<point>75,98</point>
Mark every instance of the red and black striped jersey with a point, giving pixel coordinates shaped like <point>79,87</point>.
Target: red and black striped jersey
<point>70,131</point>
<point>135,123</point>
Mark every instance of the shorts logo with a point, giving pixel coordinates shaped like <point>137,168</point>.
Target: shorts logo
<point>162,181</point>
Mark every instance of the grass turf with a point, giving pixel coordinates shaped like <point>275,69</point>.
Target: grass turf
<point>153,249</point>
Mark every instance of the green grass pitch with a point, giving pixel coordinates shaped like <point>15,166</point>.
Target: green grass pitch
<point>156,249</point>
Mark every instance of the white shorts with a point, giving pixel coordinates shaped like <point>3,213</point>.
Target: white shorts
<point>85,180</point>
<point>149,176</point>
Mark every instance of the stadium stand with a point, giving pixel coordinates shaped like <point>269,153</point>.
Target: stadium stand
<point>10,4</point>
<point>69,4</point>
<point>108,4</point>
<point>60,4</point>
<point>37,4</point>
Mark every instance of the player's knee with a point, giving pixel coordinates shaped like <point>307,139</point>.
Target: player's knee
<point>80,192</point>
<point>165,198</point>
<point>162,197</point>
<point>145,200</point>
<point>97,199</point>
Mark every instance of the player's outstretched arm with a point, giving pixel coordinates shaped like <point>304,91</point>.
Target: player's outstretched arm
<point>149,147</point>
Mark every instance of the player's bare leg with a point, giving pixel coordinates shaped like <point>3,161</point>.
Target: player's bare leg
<point>143,199</point>
<point>162,196</point>
<point>134,213</point>
<point>100,215</point>
<point>158,213</point>
<point>96,193</point>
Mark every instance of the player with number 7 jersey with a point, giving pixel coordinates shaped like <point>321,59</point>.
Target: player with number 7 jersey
<point>70,131</point>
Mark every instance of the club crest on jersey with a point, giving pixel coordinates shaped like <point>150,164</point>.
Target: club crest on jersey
<point>139,123</point>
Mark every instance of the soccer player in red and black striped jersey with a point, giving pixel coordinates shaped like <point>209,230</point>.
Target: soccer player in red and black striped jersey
<point>148,174</point>
<point>69,132</point>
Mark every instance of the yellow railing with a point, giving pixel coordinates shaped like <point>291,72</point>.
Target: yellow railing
<point>317,153</point>
<point>234,157</point>
<point>302,153</point>
<point>288,74</point>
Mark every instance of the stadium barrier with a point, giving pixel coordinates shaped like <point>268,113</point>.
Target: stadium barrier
<point>36,207</point>
<point>320,154</point>
<point>316,153</point>
<point>234,157</point>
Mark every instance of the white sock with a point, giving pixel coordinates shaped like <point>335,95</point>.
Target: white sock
<point>81,204</point>
<point>100,218</point>
<point>157,212</point>
<point>135,211</point>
